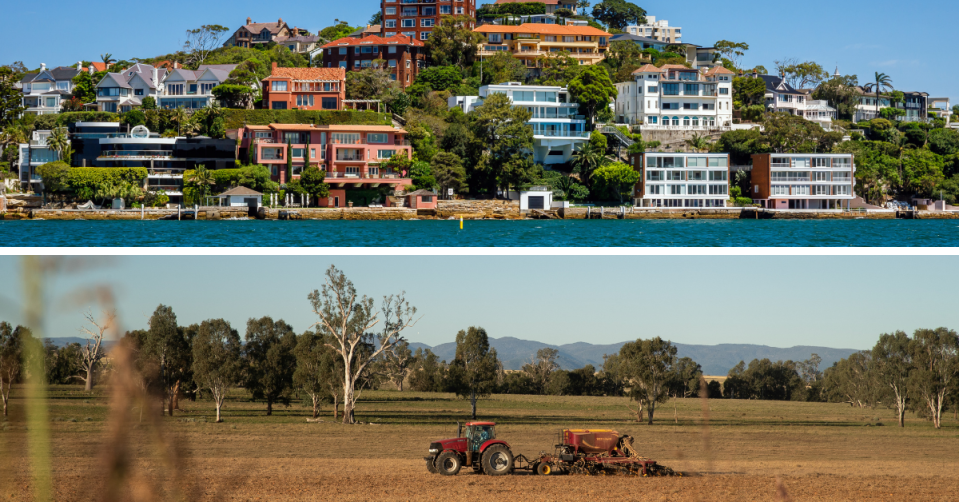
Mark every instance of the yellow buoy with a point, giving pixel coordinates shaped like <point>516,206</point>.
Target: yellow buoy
<point>461,223</point>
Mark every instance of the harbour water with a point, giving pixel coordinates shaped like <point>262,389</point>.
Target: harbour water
<point>483,233</point>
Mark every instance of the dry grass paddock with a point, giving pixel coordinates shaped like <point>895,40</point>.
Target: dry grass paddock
<point>748,450</point>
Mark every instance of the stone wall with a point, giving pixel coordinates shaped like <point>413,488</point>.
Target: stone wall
<point>677,139</point>
<point>322,213</point>
<point>478,209</point>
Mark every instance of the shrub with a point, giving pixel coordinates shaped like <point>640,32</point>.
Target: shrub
<point>61,119</point>
<point>236,118</point>
<point>54,176</point>
<point>86,181</point>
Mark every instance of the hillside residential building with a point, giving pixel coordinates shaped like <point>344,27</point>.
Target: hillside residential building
<point>677,98</point>
<point>352,156</point>
<point>681,179</point>
<point>44,92</point>
<point>416,18</point>
<point>803,181</point>
<point>38,153</point>
<point>251,34</point>
<point>120,92</point>
<point>915,106</point>
<point>551,5</point>
<point>528,42</point>
<point>404,56</point>
<point>192,89</point>
<point>304,88</point>
<point>657,30</point>
<point>941,108</point>
<point>557,129</point>
<point>697,56</point>
<point>537,18</point>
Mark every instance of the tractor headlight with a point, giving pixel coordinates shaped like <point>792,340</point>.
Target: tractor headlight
<point>434,450</point>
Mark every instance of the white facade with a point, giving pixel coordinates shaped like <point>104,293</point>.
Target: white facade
<point>537,198</point>
<point>676,98</point>
<point>121,92</point>
<point>32,156</point>
<point>807,181</point>
<point>45,92</point>
<point>557,129</point>
<point>658,30</point>
<point>683,180</point>
<point>191,89</point>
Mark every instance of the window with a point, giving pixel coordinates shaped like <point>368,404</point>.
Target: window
<point>51,102</point>
<point>445,9</point>
<point>385,154</point>
<point>696,162</point>
<point>391,63</point>
<point>691,89</point>
<point>780,189</point>
<point>304,100</point>
<point>429,11</point>
<point>675,175</point>
<point>652,120</point>
<point>391,49</point>
<point>654,88</point>
<point>409,11</point>
<point>717,176</point>
<point>63,86</point>
<point>718,162</point>
<point>821,162</point>
<point>654,176</point>
<point>671,89</point>
<point>172,89</point>
<point>841,189</point>
<point>271,153</point>
<point>675,121</point>
<point>696,189</point>
<point>277,85</point>
<point>495,38</point>
<point>298,153</point>
<point>329,104</point>
<point>696,176</point>
<point>821,190</point>
<point>426,198</point>
<point>377,138</point>
<point>676,189</point>
<point>718,190</point>
<point>424,35</point>
<point>685,121</point>
<point>138,92</point>
<point>342,51</point>
<point>390,23</point>
<point>724,91</point>
<point>426,23</point>
<point>390,11</point>
<point>800,189</point>
<point>690,106</point>
<point>342,64</point>
<point>409,23</point>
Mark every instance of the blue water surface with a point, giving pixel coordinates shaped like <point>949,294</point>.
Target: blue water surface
<point>483,233</point>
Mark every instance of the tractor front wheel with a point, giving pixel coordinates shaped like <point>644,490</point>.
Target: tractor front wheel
<point>544,469</point>
<point>431,465</point>
<point>497,460</point>
<point>448,463</point>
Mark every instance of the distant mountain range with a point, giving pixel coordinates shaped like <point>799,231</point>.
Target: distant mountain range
<point>715,359</point>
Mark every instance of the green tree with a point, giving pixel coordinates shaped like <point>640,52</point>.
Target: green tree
<point>347,319</point>
<point>11,357</point>
<point>422,176</point>
<point>502,67</point>
<point>892,358</point>
<point>255,177</point>
<point>841,93</point>
<point>936,356</point>
<point>270,361</point>
<point>337,31</point>
<point>439,78</point>
<point>55,176</point>
<point>882,82</point>
<point>200,42</point>
<point>591,156</point>
<point>922,171</point>
<point>84,89</point>
<point>616,179</point>
<point>506,140</point>
<point>397,363</point>
<point>472,373</point>
<point>165,355</point>
<point>428,373</point>
<point>748,91</point>
<point>541,369</point>
<point>558,68</point>
<point>149,103</point>
<point>734,51</point>
<point>289,161</point>
<point>648,366</point>
<point>317,372</point>
<point>11,99</point>
<point>943,141</point>
<point>453,43</point>
<point>312,180</point>
<point>685,378</point>
<point>217,360</point>
<point>369,83</point>
<point>592,90</point>
<point>449,172</point>
<point>698,143</point>
<point>618,14</point>
<point>202,180</point>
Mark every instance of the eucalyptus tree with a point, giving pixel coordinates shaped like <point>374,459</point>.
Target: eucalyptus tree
<point>648,367</point>
<point>217,360</point>
<point>270,360</point>
<point>473,372</point>
<point>11,360</point>
<point>892,360</point>
<point>92,353</point>
<point>936,356</point>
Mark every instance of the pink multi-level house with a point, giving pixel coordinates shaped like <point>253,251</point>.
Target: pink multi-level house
<point>353,156</point>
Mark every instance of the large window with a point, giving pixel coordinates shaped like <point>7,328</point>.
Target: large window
<point>298,153</point>
<point>717,190</point>
<point>675,175</point>
<point>718,162</point>
<point>780,189</point>
<point>304,100</point>
<point>671,90</point>
<point>390,23</point>
<point>409,23</point>
<point>691,89</point>
<point>278,85</point>
<point>654,176</point>
<point>105,92</point>
<point>385,154</point>
<point>696,190</point>
<point>329,104</point>
<point>390,11</point>
<point>377,138</point>
<point>345,138</point>
<point>271,153</point>
<point>717,175</point>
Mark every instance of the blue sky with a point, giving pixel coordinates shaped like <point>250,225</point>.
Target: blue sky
<point>781,301</point>
<point>911,42</point>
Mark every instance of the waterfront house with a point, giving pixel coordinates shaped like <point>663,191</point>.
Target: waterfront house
<point>421,199</point>
<point>675,97</point>
<point>416,19</point>
<point>529,42</point>
<point>803,180</point>
<point>123,91</point>
<point>192,89</point>
<point>402,54</point>
<point>45,92</point>
<point>33,155</point>
<point>241,197</point>
<point>551,5</point>
<point>252,34</point>
<point>696,55</point>
<point>304,88</point>
<point>681,180</point>
<point>353,156</point>
<point>914,106</point>
<point>657,30</point>
<point>558,130</point>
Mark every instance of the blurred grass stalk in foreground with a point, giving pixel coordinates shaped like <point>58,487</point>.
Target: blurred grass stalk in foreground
<point>38,421</point>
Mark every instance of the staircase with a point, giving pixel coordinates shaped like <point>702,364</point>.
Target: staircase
<point>622,141</point>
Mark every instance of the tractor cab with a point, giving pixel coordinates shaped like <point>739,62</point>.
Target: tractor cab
<point>478,433</point>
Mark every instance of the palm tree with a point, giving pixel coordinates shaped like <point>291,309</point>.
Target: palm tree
<point>883,83</point>
<point>203,179</point>
<point>698,143</point>
<point>583,4</point>
<point>180,117</point>
<point>107,59</point>
<point>588,159</point>
<point>58,141</point>
<point>13,134</point>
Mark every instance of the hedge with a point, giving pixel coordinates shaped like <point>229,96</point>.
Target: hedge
<point>236,118</point>
<point>91,177</point>
<point>46,122</point>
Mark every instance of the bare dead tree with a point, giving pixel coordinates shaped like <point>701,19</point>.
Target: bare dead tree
<point>200,42</point>
<point>348,320</point>
<point>397,364</point>
<point>92,352</point>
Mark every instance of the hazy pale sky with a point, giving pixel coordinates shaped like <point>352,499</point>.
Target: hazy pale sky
<point>781,301</point>
<point>860,37</point>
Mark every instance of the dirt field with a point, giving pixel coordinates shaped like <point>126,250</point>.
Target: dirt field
<point>749,451</point>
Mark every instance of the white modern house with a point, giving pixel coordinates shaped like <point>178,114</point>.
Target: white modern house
<point>192,89</point>
<point>803,180</point>
<point>657,30</point>
<point>682,180</point>
<point>558,130</point>
<point>676,98</point>
<point>121,92</point>
<point>33,155</point>
<point>915,106</point>
<point>45,91</point>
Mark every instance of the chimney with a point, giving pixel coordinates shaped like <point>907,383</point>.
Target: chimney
<point>43,66</point>
<point>274,67</point>
<point>79,65</point>
<point>296,31</point>
<point>280,22</point>
<point>156,76</point>
<point>249,20</point>
<point>755,73</point>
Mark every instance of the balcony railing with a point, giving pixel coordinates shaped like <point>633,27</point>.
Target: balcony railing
<point>151,154</point>
<point>560,134</point>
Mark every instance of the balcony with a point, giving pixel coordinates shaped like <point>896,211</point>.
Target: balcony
<point>136,155</point>
<point>560,134</point>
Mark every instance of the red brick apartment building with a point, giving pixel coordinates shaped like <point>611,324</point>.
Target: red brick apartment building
<point>416,18</point>
<point>304,89</point>
<point>404,55</point>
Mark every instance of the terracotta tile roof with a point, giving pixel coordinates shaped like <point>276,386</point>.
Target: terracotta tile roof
<point>98,66</point>
<point>338,74</point>
<point>240,191</point>
<point>258,27</point>
<point>647,68</point>
<point>374,40</point>
<point>364,128</point>
<point>719,69</point>
<point>292,127</point>
<point>542,29</point>
<point>676,67</point>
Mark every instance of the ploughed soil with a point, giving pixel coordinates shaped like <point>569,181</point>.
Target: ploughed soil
<point>746,451</point>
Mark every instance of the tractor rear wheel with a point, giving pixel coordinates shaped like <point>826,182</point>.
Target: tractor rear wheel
<point>497,460</point>
<point>544,469</point>
<point>431,465</point>
<point>448,463</point>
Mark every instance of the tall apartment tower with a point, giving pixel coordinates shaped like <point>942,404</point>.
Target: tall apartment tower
<point>416,18</point>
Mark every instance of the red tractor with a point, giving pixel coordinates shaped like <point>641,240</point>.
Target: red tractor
<point>478,448</point>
